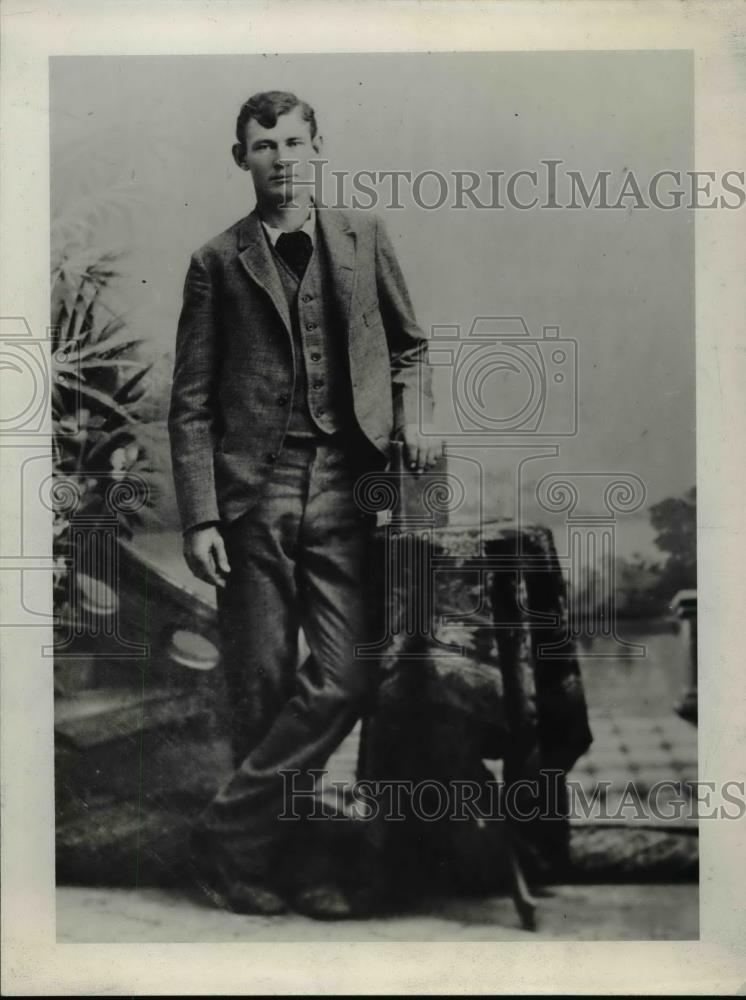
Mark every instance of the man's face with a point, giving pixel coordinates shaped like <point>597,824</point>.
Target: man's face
<point>278,158</point>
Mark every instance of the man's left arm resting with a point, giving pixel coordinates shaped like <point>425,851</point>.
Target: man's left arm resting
<point>411,374</point>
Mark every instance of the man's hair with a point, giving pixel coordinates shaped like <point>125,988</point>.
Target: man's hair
<point>266,108</point>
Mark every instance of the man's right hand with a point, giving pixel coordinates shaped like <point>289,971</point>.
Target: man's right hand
<point>204,551</point>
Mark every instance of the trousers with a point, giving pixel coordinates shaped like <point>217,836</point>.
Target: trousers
<point>300,559</point>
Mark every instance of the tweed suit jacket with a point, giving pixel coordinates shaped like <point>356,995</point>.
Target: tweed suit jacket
<point>234,363</point>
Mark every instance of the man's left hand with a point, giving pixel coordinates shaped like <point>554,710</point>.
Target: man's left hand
<point>422,446</point>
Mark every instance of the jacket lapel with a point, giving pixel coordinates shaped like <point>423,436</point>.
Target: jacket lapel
<point>256,257</point>
<point>341,247</point>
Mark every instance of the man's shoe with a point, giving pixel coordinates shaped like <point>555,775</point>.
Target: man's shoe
<point>322,902</point>
<point>228,891</point>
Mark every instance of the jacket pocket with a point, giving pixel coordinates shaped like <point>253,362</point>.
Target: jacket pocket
<point>372,317</point>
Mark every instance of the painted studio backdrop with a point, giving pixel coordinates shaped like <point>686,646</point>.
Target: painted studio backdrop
<point>587,311</point>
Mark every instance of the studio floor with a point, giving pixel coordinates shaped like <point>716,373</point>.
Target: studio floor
<point>578,913</point>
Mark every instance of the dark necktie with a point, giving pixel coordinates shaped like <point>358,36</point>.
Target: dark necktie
<point>295,249</point>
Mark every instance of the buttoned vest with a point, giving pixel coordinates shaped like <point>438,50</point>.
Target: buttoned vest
<point>322,401</point>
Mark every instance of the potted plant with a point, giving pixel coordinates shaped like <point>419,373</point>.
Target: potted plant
<point>102,475</point>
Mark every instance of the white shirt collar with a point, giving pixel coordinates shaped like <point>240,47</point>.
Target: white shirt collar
<point>309,226</point>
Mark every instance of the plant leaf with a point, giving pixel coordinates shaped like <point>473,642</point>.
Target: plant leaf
<point>107,401</point>
<point>123,338</point>
<point>121,394</point>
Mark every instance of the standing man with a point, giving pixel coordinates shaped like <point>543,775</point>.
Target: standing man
<point>298,359</point>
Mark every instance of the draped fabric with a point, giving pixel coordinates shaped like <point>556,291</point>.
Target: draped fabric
<point>508,704</point>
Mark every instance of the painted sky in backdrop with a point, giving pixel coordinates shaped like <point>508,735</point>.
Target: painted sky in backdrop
<point>618,283</point>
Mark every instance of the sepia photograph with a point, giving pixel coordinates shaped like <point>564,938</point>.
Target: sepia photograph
<point>358,453</point>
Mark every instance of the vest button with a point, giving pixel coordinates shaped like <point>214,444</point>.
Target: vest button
<point>320,411</point>
<point>318,384</point>
<point>315,356</point>
<point>271,456</point>
<point>310,326</point>
<point>306,298</point>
